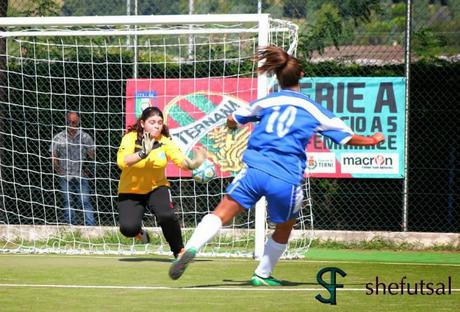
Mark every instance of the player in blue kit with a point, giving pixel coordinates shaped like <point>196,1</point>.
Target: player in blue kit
<point>275,161</point>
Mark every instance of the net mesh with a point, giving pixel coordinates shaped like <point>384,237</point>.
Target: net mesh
<point>99,72</point>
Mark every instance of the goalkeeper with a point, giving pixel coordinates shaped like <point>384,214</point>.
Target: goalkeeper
<point>142,157</point>
<point>275,159</point>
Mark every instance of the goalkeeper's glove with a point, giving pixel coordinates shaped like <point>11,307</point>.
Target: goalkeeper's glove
<point>147,146</point>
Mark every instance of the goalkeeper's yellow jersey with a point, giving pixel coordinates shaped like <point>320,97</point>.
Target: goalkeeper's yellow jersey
<point>149,173</point>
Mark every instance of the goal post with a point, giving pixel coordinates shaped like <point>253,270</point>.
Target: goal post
<point>196,68</point>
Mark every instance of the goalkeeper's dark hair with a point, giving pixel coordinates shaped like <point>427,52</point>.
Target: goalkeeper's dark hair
<point>276,61</point>
<point>146,114</point>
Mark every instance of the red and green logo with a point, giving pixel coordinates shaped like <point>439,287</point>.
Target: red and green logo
<point>196,111</point>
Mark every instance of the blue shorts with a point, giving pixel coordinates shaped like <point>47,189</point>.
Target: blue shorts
<point>284,200</point>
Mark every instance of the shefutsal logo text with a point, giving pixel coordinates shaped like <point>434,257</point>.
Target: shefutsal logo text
<point>405,287</point>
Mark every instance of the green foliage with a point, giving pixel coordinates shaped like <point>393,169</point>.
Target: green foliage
<point>436,30</point>
<point>315,35</point>
<point>89,7</point>
<point>326,25</point>
<point>36,8</point>
<point>359,11</point>
<point>323,23</point>
<point>3,8</point>
<point>77,238</point>
<point>118,7</point>
<point>206,6</point>
<point>380,243</point>
<point>370,22</point>
<point>275,11</point>
<point>295,8</point>
<point>427,43</point>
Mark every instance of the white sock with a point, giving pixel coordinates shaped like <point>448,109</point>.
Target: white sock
<point>272,253</point>
<point>204,232</point>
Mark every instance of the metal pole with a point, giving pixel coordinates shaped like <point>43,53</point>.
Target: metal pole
<point>190,37</point>
<point>262,90</point>
<point>407,60</point>
<point>3,81</point>
<point>259,6</point>
<point>128,13</point>
<point>135,43</point>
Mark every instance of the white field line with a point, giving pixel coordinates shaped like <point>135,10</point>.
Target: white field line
<point>239,259</point>
<point>181,288</point>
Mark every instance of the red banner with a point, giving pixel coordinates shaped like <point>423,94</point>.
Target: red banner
<point>195,111</point>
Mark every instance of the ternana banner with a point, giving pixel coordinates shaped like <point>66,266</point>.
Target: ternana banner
<point>195,111</point>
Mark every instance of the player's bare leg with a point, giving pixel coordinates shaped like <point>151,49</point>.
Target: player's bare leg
<point>283,231</point>
<point>204,232</point>
<point>274,248</point>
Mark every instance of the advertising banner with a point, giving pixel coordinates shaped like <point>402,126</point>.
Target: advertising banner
<point>196,109</point>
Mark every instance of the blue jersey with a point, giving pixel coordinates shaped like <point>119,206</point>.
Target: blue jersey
<point>286,121</point>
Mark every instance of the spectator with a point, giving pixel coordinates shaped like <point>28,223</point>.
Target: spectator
<point>70,150</point>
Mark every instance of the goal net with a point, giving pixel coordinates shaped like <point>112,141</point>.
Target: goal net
<point>196,68</point>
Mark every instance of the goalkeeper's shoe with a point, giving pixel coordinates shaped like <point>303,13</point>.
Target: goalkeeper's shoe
<point>143,237</point>
<point>256,280</point>
<point>178,266</point>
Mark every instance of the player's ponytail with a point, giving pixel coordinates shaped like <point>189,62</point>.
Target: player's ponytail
<point>276,61</point>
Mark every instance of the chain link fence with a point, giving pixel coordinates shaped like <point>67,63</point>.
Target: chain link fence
<point>337,38</point>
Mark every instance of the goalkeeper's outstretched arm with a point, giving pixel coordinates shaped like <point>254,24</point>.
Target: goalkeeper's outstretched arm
<point>199,157</point>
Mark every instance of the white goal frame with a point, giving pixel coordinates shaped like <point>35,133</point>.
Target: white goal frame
<point>49,26</point>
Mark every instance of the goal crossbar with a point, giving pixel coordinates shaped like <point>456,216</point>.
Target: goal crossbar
<point>67,33</point>
<point>222,22</point>
<point>131,20</point>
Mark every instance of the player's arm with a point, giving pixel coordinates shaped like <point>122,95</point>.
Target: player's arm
<point>91,153</point>
<point>243,115</point>
<point>55,156</point>
<point>126,157</point>
<point>340,133</point>
<point>231,123</point>
<point>130,160</point>
<point>199,157</point>
<point>347,137</point>
<point>91,146</point>
<point>174,154</point>
<point>366,140</point>
<point>55,160</point>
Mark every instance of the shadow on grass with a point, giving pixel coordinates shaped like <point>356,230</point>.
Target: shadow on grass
<point>168,260</point>
<point>229,282</point>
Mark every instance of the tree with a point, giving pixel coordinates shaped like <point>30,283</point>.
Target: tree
<point>90,7</point>
<point>295,8</point>
<point>325,25</point>
<point>43,8</point>
<point>328,25</point>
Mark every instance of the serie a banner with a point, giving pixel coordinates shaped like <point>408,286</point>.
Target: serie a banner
<point>196,109</point>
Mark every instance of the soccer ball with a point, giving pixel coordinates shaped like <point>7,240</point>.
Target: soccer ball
<point>205,172</point>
